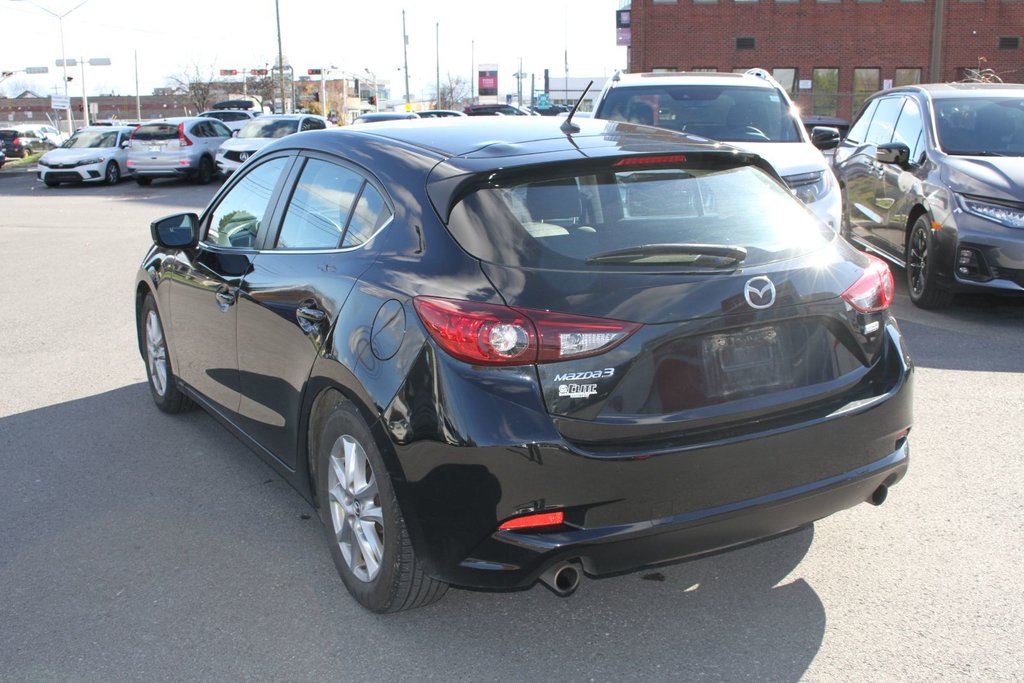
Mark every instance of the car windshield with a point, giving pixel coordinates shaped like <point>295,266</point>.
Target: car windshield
<point>88,139</point>
<point>981,126</point>
<point>728,113</point>
<point>675,218</point>
<point>269,128</point>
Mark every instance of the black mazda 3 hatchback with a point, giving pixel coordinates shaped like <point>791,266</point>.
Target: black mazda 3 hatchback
<point>496,351</point>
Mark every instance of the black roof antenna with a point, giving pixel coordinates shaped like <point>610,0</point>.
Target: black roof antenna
<point>568,127</point>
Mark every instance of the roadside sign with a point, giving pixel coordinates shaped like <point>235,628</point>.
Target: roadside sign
<point>60,102</point>
<point>37,70</point>
<point>543,100</point>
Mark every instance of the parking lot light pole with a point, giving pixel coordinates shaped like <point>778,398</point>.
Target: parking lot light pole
<point>63,58</point>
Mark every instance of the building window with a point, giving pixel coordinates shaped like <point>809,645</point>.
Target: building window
<point>782,2</point>
<point>907,77</point>
<point>1009,43</point>
<point>664,69</point>
<point>911,0</point>
<point>825,92</point>
<point>786,78</point>
<point>865,82</point>
<point>705,2</point>
<point>827,2</point>
<point>664,2</point>
<point>705,69</point>
<point>745,43</point>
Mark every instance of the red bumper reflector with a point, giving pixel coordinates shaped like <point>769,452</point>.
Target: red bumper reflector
<point>530,521</point>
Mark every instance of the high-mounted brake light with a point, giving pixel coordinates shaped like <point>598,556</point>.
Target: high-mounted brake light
<point>651,161</point>
<point>533,521</point>
<point>182,138</point>
<point>874,290</point>
<point>490,334</point>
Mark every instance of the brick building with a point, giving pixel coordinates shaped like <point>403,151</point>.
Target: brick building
<point>831,54</point>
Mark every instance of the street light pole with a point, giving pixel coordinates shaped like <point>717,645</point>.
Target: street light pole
<point>63,58</point>
<point>405,52</point>
<point>280,56</point>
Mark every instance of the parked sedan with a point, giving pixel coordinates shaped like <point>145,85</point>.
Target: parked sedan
<point>94,154</point>
<point>491,352</point>
<point>258,133</point>
<point>176,148</point>
<point>379,116</point>
<point>15,146</point>
<point>933,178</point>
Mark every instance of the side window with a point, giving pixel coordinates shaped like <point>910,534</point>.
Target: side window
<point>236,220</point>
<point>371,213</point>
<point>219,130</point>
<point>884,121</point>
<point>319,207</point>
<point>312,124</point>
<point>859,129</point>
<point>909,129</point>
<point>201,130</point>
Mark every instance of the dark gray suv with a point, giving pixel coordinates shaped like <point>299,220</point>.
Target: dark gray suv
<point>932,178</point>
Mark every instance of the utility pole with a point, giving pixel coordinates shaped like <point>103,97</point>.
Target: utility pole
<point>405,51</point>
<point>437,61</point>
<point>280,55</point>
<point>138,100</point>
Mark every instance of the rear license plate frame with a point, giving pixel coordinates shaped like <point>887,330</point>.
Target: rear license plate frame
<point>744,362</point>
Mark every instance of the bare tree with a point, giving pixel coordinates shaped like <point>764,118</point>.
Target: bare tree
<point>454,93</point>
<point>200,89</point>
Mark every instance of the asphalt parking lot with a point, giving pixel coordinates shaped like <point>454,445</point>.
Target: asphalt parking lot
<point>140,546</point>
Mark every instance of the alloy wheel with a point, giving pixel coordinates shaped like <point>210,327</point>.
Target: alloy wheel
<point>917,261</point>
<point>156,353</point>
<point>356,514</point>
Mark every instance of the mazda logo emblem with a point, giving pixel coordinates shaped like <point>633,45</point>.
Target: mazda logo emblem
<point>759,292</point>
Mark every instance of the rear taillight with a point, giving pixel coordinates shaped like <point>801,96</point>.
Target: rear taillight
<point>182,138</point>
<point>16,141</point>
<point>489,334</point>
<point>874,290</point>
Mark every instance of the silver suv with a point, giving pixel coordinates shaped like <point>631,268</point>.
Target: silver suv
<point>749,110</point>
<point>176,148</point>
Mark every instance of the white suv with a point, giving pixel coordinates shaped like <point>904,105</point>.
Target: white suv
<point>750,111</point>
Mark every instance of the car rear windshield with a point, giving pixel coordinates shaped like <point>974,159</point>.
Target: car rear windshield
<point>674,218</point>
<point>8,134</point>
<point>730,113</point>
<point>268,128</point>
<point>157,131</point>
<point>981,126</point>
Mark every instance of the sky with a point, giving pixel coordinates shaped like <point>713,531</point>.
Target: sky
<point>177,36</point>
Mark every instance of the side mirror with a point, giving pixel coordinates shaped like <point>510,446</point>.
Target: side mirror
<point>893,153</point>
<point>125,144</point>
<point>825,137</point>
<point>234,133</point>
<point>180,231</point>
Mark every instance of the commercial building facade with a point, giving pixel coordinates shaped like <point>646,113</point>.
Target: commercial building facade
<point>830,54</point>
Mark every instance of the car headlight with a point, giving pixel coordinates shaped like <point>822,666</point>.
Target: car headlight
<point>1010,215</point>
<point>810,187</point>
<point>86,162</point>
<point>42,162</point>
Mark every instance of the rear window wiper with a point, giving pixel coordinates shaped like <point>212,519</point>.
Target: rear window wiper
<point>707,255</point>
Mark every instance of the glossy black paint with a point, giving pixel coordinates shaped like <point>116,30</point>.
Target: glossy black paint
<point>258,336</point>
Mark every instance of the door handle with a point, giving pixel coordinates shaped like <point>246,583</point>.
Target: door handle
<point>309,317</point>
<point>225,298</point>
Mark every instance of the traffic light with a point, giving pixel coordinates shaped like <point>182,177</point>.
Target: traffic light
<point>314,72</point>
<point>229,72</point>
<point>257,72</point>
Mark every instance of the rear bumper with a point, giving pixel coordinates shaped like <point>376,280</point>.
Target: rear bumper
<point>508,559</point>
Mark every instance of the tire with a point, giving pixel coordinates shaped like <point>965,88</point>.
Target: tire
<point>922,283</point>
<point>145,182</point>
<point>367,536</point>
<point>26,152</point>
<point>112,174</point>
<point>205,173</point>
<point>51,183</point>
<point>159,371</point>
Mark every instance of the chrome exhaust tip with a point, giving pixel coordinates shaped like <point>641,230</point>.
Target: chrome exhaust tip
<point>563,579</point>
